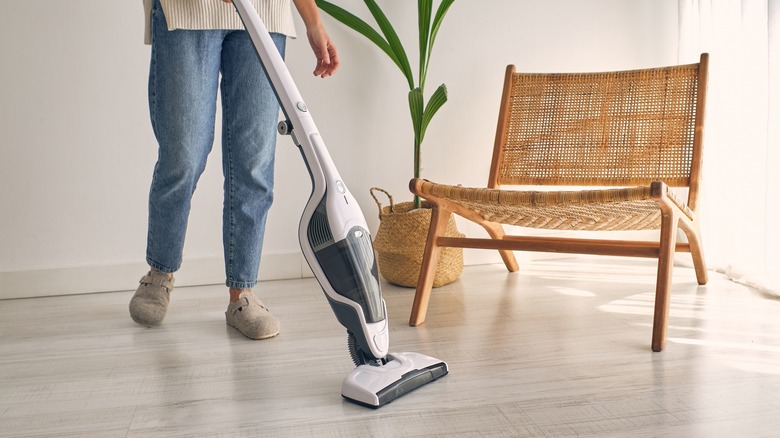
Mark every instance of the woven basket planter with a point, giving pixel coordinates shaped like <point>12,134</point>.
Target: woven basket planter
<point>400,243</point>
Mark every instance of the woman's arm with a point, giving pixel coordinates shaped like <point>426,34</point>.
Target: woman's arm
<point>323,48</point>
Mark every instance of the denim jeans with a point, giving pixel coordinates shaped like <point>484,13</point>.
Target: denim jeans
<point>184,79</point>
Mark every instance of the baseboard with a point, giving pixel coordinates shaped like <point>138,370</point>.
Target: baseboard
<point>125,276</point>
<point>194,272</point>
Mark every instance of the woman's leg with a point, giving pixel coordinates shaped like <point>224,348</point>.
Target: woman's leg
<point>250,114</point>
<point>183,79</point>
<point>183,82</point>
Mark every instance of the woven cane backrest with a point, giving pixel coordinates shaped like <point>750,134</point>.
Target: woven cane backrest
<point>598,129</point>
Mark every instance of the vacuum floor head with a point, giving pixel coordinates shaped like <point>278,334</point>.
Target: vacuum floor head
<point>376,385</point>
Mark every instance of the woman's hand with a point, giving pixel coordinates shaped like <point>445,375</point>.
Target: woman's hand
<point>323,48</point>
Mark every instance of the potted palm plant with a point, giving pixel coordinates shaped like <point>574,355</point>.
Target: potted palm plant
<point>400,240</point>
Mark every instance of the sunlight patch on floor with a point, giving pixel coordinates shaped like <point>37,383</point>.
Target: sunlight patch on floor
<point>763,365</point>
<point>570,291</point>
<point>641,304</point>
<point>727,345</point>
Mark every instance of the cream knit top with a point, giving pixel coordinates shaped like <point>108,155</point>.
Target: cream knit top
<point>216,14</point>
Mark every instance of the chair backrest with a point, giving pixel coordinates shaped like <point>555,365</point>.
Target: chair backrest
<point>622,128</point>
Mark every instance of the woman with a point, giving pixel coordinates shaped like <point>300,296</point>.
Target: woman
<point>198,47</point>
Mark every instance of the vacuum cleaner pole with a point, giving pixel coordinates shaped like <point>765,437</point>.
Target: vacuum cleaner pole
<point>332,214</point>
<point>336,244</point>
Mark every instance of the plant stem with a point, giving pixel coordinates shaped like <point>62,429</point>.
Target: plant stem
<point>417,160</point>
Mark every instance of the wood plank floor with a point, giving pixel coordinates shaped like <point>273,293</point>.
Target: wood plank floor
<point>561,348</point>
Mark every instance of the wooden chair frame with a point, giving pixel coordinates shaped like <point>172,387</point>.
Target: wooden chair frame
<point>673,213</point>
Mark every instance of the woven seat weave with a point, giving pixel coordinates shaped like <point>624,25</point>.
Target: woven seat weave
<point>594,210</point>
<point>588,210</point>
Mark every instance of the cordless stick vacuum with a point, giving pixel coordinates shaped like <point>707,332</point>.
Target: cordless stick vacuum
<point>336,244</point>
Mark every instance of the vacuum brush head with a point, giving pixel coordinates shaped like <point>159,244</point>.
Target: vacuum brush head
<point>377,385</point>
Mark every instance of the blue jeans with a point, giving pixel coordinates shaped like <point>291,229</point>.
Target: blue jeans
<point>183,81</point>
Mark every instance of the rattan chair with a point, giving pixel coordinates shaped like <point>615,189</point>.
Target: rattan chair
<point>628,136</point>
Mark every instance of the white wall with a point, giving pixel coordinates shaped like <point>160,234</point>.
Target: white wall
<point>78,151</point>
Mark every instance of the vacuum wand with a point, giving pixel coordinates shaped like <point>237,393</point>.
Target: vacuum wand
<point>336,244</point>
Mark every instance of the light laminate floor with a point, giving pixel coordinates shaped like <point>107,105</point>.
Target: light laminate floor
<point>558,349</point>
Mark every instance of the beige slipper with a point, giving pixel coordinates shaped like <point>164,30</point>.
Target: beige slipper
<point>249,316</point>
<point>150,302</point>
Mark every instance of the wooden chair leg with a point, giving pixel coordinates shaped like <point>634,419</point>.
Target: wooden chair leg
<point>438,227</point>
<point>496,231</point>
<point>697,253</point>
<point>663,285</point>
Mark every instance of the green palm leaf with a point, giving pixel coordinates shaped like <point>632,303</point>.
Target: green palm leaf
<point>416,109</point>
<point>438,98</point>
<point>392,39</point>
<point>361,27</point>
<point>444,6</point>
<point>424,9</point>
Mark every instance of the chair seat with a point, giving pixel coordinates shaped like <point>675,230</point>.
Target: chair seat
<point>620,209</point>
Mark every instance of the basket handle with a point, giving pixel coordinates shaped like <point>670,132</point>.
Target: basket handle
<point>378,204</point>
